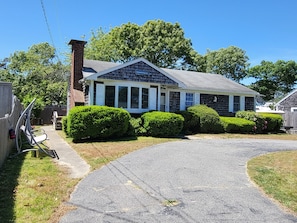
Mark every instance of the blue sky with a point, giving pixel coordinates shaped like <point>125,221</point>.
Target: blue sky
<point>265,29</point>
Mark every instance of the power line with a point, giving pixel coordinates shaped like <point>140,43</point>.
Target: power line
<point>47,24</point>
<point>48,27</point>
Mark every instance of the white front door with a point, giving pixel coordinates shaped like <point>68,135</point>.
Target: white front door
<point>153,99</point>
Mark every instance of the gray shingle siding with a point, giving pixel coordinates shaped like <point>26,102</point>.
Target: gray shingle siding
<point>139,72</point>
<point>288,102</point>
<point>220,103</point>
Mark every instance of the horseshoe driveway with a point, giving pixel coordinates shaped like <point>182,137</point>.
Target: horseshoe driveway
<point>200,180</point>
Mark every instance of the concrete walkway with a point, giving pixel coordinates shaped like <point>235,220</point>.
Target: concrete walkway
<point>78,168</point>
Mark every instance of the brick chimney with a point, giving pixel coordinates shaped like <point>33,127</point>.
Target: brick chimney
<point>76,96</point>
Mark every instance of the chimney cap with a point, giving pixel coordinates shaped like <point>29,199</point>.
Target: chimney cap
<point>73,41</point>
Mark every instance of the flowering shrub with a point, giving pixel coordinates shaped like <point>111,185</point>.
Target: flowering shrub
<point>264,123</point>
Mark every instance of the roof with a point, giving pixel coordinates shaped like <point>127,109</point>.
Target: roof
<point>209,82</point>
<point>190,80</point>
<point>96,66</point>
<point>287,96</point>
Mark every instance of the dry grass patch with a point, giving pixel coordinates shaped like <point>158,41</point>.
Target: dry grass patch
<point>276,174</point>
<point>98,154</point>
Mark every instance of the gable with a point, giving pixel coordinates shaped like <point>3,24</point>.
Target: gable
<point>288,101</point>
<point>138,72</point>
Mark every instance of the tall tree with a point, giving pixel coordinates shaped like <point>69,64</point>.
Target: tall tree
<point>160,42</point>
<point>274,78</point>
<point>231,62</point>
<point>34,72</point>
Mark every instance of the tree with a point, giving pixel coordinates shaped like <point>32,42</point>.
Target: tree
<point>33,73</point>
<point>272,78</point>
<point>160,42</point>
<point>231,62</point>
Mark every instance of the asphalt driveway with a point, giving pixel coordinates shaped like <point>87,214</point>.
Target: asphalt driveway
<point>185,181</point>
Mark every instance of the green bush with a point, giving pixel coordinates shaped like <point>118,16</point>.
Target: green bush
<point>191,123</point>
<point>162,124</point>
<point>237,125</point>
<point>97,122</point>
<point>64,124</point>
<point>273,122</point>
<point>208,117</point>
<point>264,122</point>
<point>136,125</point>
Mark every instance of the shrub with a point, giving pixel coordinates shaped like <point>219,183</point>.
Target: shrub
<point>162,124</point>
<point>64,124</point>
<point>97,122</point>
<point>273,122</point>
<point>191,122</point>
<point>255,117</point>
<point>264,122</point>
<point>209,119</point>
<point>237,125</point>
<point>136,125</point>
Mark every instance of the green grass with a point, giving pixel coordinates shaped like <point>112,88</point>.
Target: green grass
<point>276,174</point>
<point>32,189</point>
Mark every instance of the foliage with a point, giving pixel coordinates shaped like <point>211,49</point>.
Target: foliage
<point>97,122</point>
<point>209,118</point>
<point>64,124</point>
<point>263,122</point>
<point>273,78</point>
<point>161,43</point>
<point>237,125</point>
<point>37,73</point>
<point>162,124</point>
<point>137,126</point>
<point>274,122</point>
<point>191,122</point>
<point>231,62</point>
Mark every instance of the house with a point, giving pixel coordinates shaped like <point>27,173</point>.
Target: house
<point>288,105</point>
<point>139,86</point>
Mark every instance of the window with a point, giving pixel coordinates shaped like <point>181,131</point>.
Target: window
<point>236,104</point>
<point>145,98</point>
<point>109,96</point>
<point>134,97</point>
<point>189,99</point>
<point>123,97</point>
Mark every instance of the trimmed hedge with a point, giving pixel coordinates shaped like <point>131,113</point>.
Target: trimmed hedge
<point>162,124</point>
<point>191,123</point>
<point>209,119</point>
<point>97,122</point>
<point>264,122</point>
<point>237,125</point>
<point>273,122</point>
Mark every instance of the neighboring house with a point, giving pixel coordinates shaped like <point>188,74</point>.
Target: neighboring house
<point>289,106</point>
<point>288,103</point>
<point>139,86</point>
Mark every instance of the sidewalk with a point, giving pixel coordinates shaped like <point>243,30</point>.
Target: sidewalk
<point>78,168</point>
